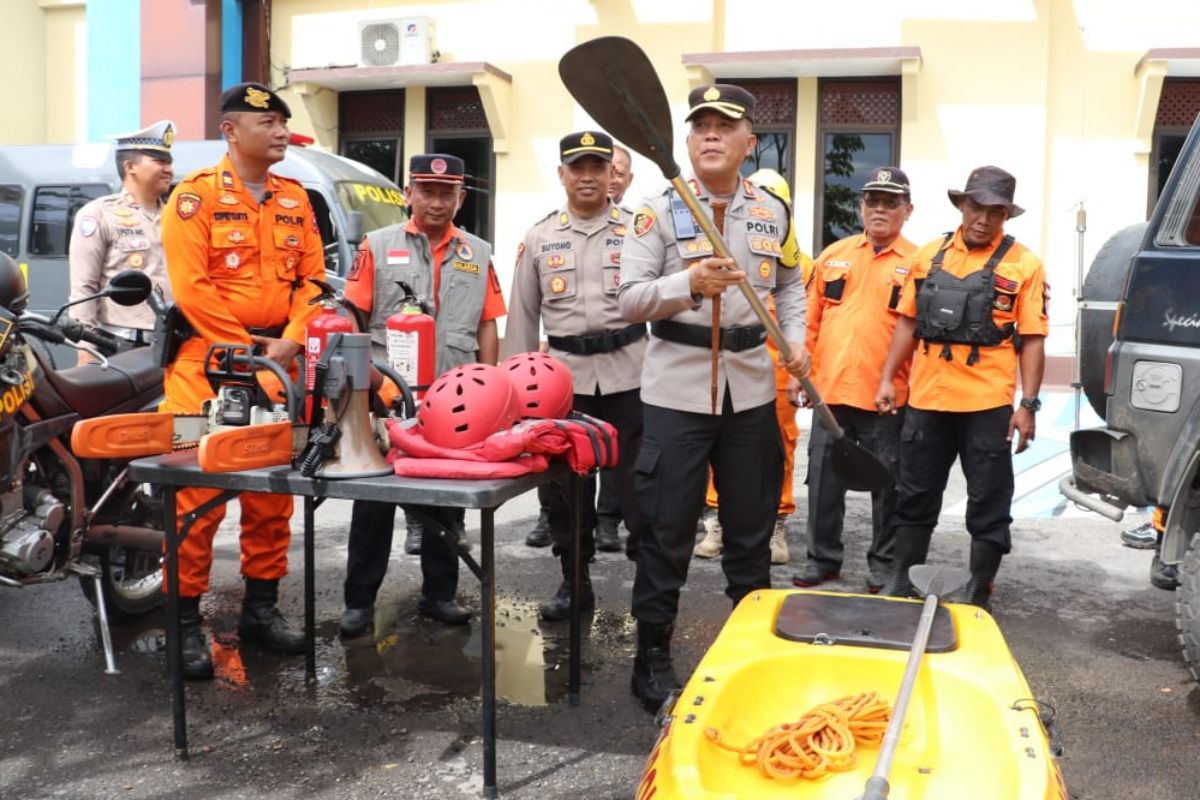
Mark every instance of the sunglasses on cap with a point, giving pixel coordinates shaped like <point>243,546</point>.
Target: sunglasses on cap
<point>891,203</point>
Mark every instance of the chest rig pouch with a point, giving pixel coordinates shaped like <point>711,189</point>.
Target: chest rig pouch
<point>954,310</point>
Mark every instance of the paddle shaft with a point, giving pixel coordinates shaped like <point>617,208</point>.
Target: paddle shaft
<point>756,304</point>
<point>877,785</point>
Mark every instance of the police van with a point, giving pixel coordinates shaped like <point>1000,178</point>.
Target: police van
<point>43,186</point>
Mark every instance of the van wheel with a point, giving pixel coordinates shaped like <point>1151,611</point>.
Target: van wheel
<point>1104,283</point>
<point>1187,607</point>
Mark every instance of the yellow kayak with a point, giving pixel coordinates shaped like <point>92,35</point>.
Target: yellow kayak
<point>972,727</point>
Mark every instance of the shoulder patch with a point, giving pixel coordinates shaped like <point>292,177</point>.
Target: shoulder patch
<point>187,204</point>
<point>520,254</point>
<point>643,221</point>
<point>360,258</point>
<point>88,226</point>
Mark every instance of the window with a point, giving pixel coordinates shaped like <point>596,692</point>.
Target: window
<point>774,125</point>
<point>54,209</point>
<point>10,219</point>
<point>1178,107</point>
<point>458,127</point>
<point>859,130</point>
<point>372,130</point>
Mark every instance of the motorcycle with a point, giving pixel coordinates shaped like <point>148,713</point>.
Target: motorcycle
<point>63,517</point>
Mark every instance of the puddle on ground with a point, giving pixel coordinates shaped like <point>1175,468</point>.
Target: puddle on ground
<point>412,661</point>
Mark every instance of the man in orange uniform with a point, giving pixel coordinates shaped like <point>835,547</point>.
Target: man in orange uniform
<point>453,269</point>
<point>241,244</point>
<point>974,310</point>
<point>851,315</point>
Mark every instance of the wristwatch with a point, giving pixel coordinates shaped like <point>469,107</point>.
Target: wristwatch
<point>1032,403</point>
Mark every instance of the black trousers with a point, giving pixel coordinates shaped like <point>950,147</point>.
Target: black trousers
<point>746,455</point>
<point>929,443</point>
<point>608,501</point>
<point>370,548</point>
<point>623,410</point>
<point>878,433</point>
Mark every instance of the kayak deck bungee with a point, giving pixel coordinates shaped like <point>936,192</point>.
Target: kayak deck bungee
<point>972,728</point>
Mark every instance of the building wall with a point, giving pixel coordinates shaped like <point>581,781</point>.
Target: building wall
<point>64,56</point>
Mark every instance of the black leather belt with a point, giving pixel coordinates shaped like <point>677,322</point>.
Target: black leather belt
<point>599,343</point>
<point>735,338</point>
<point>272,332</point>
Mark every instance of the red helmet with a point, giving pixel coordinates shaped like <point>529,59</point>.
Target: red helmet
<point>544,386</point>
<point>466,405</point>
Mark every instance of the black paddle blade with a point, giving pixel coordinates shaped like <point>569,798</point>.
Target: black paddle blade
<point>858,468</point>
<point>616,84</point>
<point>930,579</point>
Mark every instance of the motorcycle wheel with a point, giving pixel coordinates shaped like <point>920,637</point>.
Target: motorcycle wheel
<point>132,582</point>
<point>1187,607</point>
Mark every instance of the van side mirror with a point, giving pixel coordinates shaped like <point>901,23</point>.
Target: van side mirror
<point>128,288</point>
<point>354,228</point>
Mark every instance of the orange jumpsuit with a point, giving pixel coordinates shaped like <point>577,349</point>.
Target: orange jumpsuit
<point>235,265</point>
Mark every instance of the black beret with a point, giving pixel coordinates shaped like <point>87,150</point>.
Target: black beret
<point>436,168</point>
<point>574,146</point>
<point>724,98</point>
<point>254,97</point>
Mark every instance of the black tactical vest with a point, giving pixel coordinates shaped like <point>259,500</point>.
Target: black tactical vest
<point>954,310</point>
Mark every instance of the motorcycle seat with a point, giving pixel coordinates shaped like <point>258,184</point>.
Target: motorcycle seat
<point>91,391</point>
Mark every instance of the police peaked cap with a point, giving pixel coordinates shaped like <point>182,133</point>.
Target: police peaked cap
<point>253,97</point>
<point>154,140</point>
<point>575,146</point>
<point>724,98</point>
<point>436,168</point>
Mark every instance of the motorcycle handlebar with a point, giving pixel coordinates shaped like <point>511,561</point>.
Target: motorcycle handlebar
<point>102,340</point>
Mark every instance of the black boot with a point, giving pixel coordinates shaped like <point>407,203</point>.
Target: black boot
<point>653,674</point>
<point>197,658</point>
<point>985,563</point>
<point>413,531</point>
<point>262,622</point>
<point>912,547</point>
<point>540,535</point>
<point>558,608</point>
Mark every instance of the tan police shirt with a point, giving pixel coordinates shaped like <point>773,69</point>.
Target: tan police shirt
<point>655,285</point>
<point>111,234</point>
<point>567,274</point>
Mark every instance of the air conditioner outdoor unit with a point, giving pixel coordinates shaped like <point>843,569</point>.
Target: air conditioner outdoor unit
<point>393,42</point>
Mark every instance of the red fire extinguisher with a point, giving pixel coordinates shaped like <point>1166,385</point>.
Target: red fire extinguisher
<point>317,333</point>
<point>410,343</point>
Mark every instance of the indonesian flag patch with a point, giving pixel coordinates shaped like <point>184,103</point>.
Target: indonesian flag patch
<point>397,258</point>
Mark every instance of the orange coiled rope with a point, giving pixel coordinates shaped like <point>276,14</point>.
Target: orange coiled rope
<point>823,740</point>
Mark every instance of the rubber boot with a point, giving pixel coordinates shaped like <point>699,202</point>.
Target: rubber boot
<point>713,542</point>
<point>985,563</point>
<point>197,657</point>
<point>912,547</point>
<point>654,676</point>
<point>262,622</point>
<point>558,608</point>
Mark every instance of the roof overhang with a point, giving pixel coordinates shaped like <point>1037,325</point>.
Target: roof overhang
<point>1152,68</point>
<point>844,62</point>
<point>1175,62</point>
<point>493,83</point>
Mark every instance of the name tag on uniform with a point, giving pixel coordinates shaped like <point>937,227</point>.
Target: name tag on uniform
<point>397,258</point>
<point>466,266</point>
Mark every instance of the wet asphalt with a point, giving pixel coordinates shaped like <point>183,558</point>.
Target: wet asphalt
<point>398,715</point>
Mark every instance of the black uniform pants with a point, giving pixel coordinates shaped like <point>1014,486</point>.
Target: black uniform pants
<point>622,410</point>
<point>370,548</point>
<point>608,501</point>
<point>929,443</point>
<point>746,455</point>
<point>878,433</point>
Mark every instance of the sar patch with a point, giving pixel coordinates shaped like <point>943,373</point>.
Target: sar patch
<point>88,226</point>
<point>1003,302</point>
<point>555,260</point>
<point>187,204</point>
<point>643,221</point>
<point>1005,284</point>
<point>464,252</point>
<point>466,266</point>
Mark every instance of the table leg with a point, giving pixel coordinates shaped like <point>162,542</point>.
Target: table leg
<point>576,578</point>
<point>310,614</point>
<point>174,641</point>
<point>487,587</point>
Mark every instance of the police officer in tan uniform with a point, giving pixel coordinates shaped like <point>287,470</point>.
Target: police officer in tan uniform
<point>704,408</point>
<point>567,274</point>
<point>122,231</point>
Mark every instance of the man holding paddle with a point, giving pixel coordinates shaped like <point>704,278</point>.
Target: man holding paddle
<point>973,312</point>
<point>706,338</point>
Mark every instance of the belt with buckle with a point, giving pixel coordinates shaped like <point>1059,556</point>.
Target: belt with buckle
<point>598,343</point>
<point>734,339</point>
